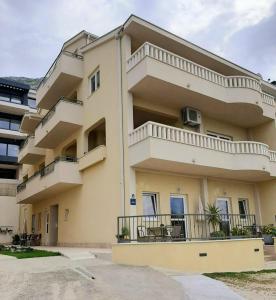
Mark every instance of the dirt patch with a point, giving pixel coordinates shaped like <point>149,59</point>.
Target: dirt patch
<point>251,286</point>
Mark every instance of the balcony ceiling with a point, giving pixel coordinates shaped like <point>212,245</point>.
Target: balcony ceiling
<point>154,164</point>
<point>141,31</point>
<point>176,97</point>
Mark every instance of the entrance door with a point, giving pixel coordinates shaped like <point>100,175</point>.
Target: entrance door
<point>46,228</point>
<point>224,206</point>
<point>178,219</point>
<point>53,225</point>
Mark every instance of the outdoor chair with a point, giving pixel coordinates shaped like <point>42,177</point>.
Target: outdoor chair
<point>174,232</point>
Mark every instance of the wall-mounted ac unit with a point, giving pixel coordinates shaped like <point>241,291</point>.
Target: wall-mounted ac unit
<point>191,116</point>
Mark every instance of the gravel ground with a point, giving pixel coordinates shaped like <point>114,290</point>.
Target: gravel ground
<point>259,286</point>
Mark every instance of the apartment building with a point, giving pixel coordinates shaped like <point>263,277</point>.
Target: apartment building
<point>15,100</point>
<point>139,122</point>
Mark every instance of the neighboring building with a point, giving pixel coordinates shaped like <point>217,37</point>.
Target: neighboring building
<point>15,100</point>
<point>142,122</point>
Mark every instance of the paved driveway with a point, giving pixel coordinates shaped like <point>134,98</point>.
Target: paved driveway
<point>63,278</point>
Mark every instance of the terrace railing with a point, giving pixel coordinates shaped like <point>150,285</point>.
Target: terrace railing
<point>174,134</point>
<point>46,170</point>
<point>51,112</point>
<point>167,227</point>
<point>176,61</point>
<point>54,64</point>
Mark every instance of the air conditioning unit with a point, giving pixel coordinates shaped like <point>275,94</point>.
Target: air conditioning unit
<point>191,116</point>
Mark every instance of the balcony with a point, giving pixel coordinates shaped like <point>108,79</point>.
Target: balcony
<point>184,83</point>
<point>29,122</point>
<point>92,157</point>
<point>29,154</point>
<point>65,73</point>
<point>159,147</point>
<point>59,176</point>
<point>59,123</point>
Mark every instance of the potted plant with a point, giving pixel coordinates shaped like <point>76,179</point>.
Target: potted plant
<point>239,232</point>
<point>124,236</point>
<point>213,218</point>
<point>16,239</point>
<point>267,234</point>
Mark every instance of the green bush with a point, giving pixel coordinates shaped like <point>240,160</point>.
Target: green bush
<point>239,231</point>
<point>218,234</point>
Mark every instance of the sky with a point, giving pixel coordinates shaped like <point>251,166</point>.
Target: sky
<point>242,31</point>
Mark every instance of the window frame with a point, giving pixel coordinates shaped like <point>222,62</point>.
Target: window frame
<point>157,204</point>
<point>220,136</point>
<point>96,76</point>
<point>245,207</point>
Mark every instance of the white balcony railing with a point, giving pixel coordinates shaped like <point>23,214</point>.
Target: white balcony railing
<point>178,135</point>
<point>188,66</point>
<point>272,155</point>
<point>268,99</point>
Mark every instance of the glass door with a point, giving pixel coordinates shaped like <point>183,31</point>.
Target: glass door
<point>178,219</point>
<point>224,206</point>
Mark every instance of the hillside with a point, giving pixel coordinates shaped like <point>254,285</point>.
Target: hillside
<point>33,82</point>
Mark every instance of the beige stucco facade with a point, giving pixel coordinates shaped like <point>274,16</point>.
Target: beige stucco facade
<point>128,137</point>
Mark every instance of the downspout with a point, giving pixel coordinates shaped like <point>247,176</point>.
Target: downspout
<point>119,38</point>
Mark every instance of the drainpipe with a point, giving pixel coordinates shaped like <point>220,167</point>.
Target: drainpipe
<point>118,37</point>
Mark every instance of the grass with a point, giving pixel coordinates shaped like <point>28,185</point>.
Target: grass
<point>29,254</point>
<point>243,276</point>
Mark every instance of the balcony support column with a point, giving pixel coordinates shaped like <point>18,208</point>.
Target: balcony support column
<point>257,205</point>
<point>204,191</point>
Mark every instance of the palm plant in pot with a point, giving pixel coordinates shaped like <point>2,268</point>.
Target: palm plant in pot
<point>124,236</point>
<point>213,217</point>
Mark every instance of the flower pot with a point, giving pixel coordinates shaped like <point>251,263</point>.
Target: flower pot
<point>268,239</point>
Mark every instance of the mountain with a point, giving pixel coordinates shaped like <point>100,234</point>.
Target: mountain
<point>33,82</point>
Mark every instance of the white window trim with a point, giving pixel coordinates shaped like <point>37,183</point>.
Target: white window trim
<point>246,208</point>
<point>220,135</point>
<point>94,74</point>
<point>157,202</point>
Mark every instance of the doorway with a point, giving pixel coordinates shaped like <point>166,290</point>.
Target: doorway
<point>53,227</point>
<point>223,204</point>
<point>178,208</point>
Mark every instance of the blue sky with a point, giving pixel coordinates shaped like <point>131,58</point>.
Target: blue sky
<point>32,32</point>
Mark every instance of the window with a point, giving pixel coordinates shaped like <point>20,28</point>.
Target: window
<point>33,223</point>
<point>4,123</point>
<point>220,136</point>
<point>13,150</point>
<point>9,149</point>
<point>3,149</point>
<point>95,81</point>
<point>16,100</point>
<point>150,204</point>
<point>31,103</point>
<point>14,125</point>
<point>39,222</point>
<point>5,98</point>
<point>243,208</point>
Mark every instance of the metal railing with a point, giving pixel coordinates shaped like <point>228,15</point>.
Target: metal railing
<point>46,170</point>
<point>51,112</point>
<point>53,66</point>
<point>167,227</point>
<point>25,142</point>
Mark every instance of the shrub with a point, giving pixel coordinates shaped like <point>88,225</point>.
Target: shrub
<point>239,231</point>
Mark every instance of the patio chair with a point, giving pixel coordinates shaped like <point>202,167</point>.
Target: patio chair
<point>142,234</point>
<point>174,232</point>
